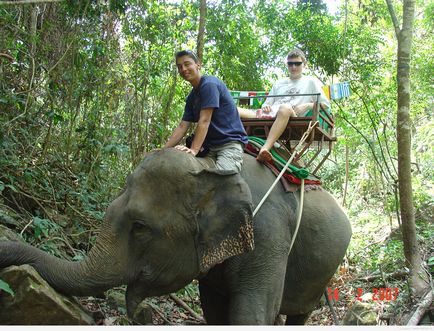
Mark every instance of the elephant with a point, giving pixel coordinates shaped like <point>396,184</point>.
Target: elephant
<point>176,221</point>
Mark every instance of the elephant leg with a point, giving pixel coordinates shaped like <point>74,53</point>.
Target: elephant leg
<point>297,319</point>
<point>254,308</point>
<point>256,286</point>
<point>214,305</point>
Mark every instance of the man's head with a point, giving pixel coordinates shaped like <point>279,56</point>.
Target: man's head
<point>188,53</point>
<point>296,53</point>
<point>188,65</point>
<point>296,60</point>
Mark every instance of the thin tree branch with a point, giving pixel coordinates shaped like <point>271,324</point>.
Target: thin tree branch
<point>374,127</point>
<point>47,72</point>
<point>399,274</point>
<point>366,140</point>
<point>332,309</point>
<point>394,18</point>
<point>346,174</point>
<point>420,310</point>
<point>185,306</point>
<point>160,313</point>
<point>388,149</point>
<point>7,56</point>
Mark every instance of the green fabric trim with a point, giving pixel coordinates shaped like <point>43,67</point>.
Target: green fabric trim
<point>301,173</point>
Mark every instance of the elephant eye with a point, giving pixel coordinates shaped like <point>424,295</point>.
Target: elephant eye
<point>139,225</point>
<point>141,232</point>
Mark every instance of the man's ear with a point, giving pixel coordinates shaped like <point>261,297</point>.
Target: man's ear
<point>224,218</point>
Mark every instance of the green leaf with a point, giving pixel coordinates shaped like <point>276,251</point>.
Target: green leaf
<point>5,287</point>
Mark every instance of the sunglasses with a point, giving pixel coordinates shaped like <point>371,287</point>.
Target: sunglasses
<point>294,63</point>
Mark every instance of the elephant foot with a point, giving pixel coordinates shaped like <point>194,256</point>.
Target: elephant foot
<point>280,320</point>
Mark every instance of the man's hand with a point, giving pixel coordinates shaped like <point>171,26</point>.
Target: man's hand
<point>186,149</point>
<point>266,109</point>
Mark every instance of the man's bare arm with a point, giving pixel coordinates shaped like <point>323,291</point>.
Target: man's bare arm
<point>178,134</point>
<point>201,129</point>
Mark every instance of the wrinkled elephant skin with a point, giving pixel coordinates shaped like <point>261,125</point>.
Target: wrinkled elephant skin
<point>174,222</point>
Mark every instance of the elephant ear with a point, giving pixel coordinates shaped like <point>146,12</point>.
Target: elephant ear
<point>224,217</point>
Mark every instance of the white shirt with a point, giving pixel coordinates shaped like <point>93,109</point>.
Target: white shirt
<point>302,85</point>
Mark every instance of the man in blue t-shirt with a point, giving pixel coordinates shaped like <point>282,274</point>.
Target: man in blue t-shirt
<point>211,106</point>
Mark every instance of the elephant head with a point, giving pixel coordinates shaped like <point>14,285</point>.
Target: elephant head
<point>172,222</point>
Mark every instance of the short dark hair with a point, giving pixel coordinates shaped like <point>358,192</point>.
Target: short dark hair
<point>188,53</point>
<point>296,53</point>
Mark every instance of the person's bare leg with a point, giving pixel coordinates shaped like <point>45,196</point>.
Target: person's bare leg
<point>279,125</point>
<point>246,113</point>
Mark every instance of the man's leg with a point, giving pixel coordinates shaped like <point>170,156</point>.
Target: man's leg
<point>229,157</point>
<point>283,114</point>
<point>208,161</point>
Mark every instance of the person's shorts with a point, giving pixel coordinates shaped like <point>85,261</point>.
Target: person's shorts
<point>228,156</point>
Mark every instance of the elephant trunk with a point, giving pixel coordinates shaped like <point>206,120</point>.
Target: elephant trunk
<point>100,271</point>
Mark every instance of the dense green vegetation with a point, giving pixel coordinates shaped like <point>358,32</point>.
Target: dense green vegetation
<point>86,88</point>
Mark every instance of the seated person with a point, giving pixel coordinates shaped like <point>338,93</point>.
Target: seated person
<point>282,108</point>
<point>211,106</point>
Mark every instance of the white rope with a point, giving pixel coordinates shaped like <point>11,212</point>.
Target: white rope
<point>302,140</point>
<point>299,213</point>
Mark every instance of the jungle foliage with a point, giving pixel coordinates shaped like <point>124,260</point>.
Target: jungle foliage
<point>88,87</point>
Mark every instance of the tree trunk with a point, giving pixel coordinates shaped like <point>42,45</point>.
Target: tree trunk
<point>411,247</point>
<point>201,33</point>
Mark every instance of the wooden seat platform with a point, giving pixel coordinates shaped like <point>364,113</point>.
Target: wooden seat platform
<point>323,134</point>
<point>294,131</point>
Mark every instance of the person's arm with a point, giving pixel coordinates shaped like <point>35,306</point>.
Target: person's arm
<point>201,130</point>
<point>270,101</point>
<point>178,134</point>
<point>199,133</point>
<point>315,86</point>
<point>304,107</point>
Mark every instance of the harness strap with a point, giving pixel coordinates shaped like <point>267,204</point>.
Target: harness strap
<point>299,213</point>
<point>300,205</point>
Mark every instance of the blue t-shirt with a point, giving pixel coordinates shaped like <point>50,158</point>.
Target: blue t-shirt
<point>225,125</point>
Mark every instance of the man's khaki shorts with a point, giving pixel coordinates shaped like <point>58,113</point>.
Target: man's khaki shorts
<point>228,156</point>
